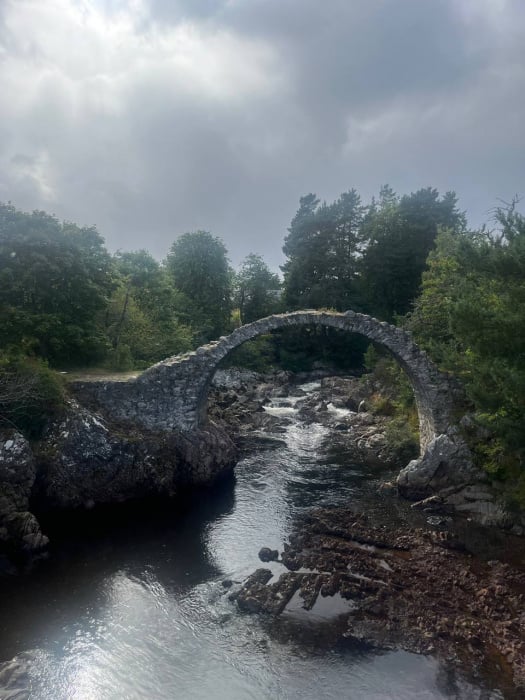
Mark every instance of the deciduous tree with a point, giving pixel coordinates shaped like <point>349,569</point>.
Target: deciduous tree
<point>257,289</point>
<point>55,278</point>
<point>199,267</point>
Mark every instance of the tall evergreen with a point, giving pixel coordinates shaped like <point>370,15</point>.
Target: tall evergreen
<point>322,246</point>
<point>257,289</point>
<point>400,233</point>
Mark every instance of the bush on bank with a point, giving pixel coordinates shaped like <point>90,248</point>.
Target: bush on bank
<point>31,394</point>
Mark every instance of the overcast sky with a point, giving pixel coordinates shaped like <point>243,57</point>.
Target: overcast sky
<point>150,118</point>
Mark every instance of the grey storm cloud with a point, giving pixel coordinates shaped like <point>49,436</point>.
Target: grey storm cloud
<point>152,118</point>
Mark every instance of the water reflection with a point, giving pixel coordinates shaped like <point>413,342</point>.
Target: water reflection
<point>92,551</point>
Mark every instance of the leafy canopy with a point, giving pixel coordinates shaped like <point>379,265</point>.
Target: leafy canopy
<point>54,279</point>
<point>257,289</point>
<point>199,268</point>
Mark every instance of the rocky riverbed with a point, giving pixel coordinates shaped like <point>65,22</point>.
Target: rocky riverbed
<point>238,400</point>
<point>344,404</point>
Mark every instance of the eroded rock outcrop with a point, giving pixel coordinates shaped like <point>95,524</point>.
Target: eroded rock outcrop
<point>85,460</point>
<point>446,463</point>
<point>20,534</point>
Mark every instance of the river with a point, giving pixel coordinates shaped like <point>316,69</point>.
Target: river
<point>133,605</point>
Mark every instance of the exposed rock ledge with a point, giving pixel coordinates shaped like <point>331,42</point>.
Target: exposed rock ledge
<point>20,533</point>
<point>85,460</point>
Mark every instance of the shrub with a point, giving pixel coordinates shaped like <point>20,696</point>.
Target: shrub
<point>120,359</point>
<point>30,394</point>
<point>402,438</point>
<point>382,405</point>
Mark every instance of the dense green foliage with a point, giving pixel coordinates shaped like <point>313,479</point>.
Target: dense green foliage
<point>322,247</point>
<point>391,395</point>
<point>257,355</point>
<point>199,267</point>
<point>299,349</point>
<point>147,318</point>
<point>30,394</point>
<point>257,290</point>
<point>54,280</point>
<point>66,300</point>
<point>369,258</point>
<point>400,233</point>
<point>471,318</point>
<point>346,255</point>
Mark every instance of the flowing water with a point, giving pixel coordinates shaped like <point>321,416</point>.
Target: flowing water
<point>133,605</point>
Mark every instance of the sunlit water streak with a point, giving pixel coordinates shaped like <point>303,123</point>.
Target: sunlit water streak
<point>139,610</point>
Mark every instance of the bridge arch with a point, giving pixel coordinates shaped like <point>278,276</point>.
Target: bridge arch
<point>172,395</point>
<point>185,380</point>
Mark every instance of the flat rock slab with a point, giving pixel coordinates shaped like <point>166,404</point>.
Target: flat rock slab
<point>412,589</point>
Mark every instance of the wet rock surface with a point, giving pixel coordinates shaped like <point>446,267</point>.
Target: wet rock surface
<point>412,589</point>
<point>87,460</point>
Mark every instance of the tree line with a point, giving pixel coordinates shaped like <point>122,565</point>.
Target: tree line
<point>65,299</point>
<point>408,259</point>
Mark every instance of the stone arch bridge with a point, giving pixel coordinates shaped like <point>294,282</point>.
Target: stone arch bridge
<point>172,394</point>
